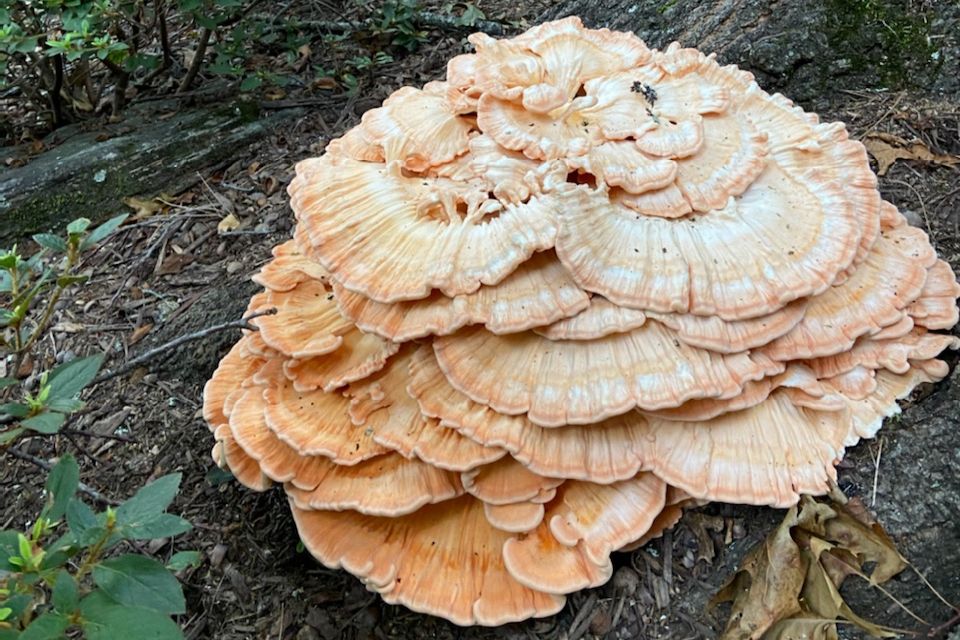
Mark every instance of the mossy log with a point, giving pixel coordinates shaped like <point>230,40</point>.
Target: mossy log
<point>91,172</point>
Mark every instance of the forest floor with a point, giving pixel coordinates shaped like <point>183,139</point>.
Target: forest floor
<point>170,272</point>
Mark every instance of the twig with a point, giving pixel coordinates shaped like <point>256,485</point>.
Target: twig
<point>940,630</point>
<point>876,473</point>
<point>582,620</point>
<point>46,466</point>
<point>197,61</point>
<point>243,323</point>
<point>936,593</point>
<point>88,434</point>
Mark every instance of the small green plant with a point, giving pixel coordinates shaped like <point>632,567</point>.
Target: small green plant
<point>48,273</point>
<point>24,281</point>
<point>71,574</point>
<point>46,411</point>
<point>395,20</point>
<point>60,578</point>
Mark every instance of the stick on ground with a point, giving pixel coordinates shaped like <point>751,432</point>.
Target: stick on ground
<point>129,365</point>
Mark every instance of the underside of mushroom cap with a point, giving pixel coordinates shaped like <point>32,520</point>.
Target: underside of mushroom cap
<point>539,292</point>
<point>444,560</point>
<point>531,313</point>
<point>571,548</point>
<point>580,382</point>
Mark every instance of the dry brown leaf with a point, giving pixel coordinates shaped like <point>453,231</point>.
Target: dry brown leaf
<point>143,208</point>
<point>228,223</point>
<point>174,263</point>
<point>702,524</point>
<point>767,587</point>
<point>324,82</point>
<point>887,149</point>
<point>823,598</point>
<point>138,333</point>
<point>868,544</point>
<point>788,588</point>
<point>269,185</point>
<point>804,626</point>
<point>303,59</point>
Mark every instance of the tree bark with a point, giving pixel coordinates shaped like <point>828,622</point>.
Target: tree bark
<point>806,49</point>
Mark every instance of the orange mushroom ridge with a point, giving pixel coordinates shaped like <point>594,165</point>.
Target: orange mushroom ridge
<point>532,310</point>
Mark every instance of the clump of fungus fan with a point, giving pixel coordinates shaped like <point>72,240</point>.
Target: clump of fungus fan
<point>532,310</point>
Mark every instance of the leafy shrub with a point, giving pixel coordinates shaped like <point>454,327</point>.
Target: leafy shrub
<point>63,576</point>
<point>63,57</point>
<point>58,577</point>
<point>48,273</point>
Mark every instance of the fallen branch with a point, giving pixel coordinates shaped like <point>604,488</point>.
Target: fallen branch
<point>243,323</point>
<point>46,466</point>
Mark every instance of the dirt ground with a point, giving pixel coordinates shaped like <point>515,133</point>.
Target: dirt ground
<point>170,273</point>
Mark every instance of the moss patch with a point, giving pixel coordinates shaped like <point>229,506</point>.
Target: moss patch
<point>890,37</point>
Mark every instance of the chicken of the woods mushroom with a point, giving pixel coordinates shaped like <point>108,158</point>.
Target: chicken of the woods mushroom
<point>532,311</point>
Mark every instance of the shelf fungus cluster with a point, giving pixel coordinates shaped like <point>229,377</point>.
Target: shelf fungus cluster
<point>532,311</point>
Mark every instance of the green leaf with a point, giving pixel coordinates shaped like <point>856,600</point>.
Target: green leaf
<point>250,83</point>
<point>183,559</point>
<point>6,437</point>
<point>138,581</point>
<point>8,549</point>
<point>72,279</point>
<point>7,382</point>
<point>46,422</point>
<point>104,230</point>
<point>69,379</point>
<point>65,405</point>
<point>80,224</point>
<point>15,409</point>
<point>58,558</point>
<point>66,594</point>
<point>161,526</point>
<point>107,620</point>
<point>149,502</point>
<point>61,487</point>
<point>50,241</point>
<point>216,476</point>
<point>83,522</point>
<point>18,604</point>
<point>49,626</point>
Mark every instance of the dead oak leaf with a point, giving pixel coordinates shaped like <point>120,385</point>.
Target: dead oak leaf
<point>788,586</point>
<point>767,587</point>
<point>887,149</point>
